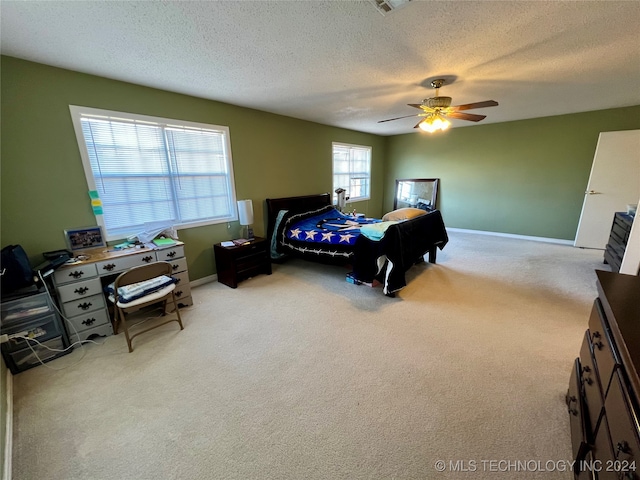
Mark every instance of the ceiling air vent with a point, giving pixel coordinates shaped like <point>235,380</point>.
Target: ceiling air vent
<point>386,6</point>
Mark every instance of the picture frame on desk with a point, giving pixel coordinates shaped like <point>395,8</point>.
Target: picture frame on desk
<point>84,238</point>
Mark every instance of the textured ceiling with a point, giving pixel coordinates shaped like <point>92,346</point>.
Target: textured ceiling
<point>342,63</point>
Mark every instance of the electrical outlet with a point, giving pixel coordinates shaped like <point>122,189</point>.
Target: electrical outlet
<point>4,338</point>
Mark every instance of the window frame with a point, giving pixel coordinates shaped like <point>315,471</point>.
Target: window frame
<point>76,116</point>
<point>369,149</point>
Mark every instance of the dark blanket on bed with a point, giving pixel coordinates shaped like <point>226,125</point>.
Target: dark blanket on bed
<point>403,245</point>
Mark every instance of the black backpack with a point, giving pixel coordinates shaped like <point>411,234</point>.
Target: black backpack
<point>15,268</point>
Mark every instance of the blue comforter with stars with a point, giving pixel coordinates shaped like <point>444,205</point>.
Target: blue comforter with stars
<point>330,227</point>
<point>325,232</point>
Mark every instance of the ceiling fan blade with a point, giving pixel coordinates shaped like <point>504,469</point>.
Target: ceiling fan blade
<point>418,124</point>
<point>415,105</point>
<point>472,117</point>
<point>469,106</point>
<point>398,118</point>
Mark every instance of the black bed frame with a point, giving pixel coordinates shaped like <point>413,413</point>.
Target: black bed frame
<point>429,228</point>
<point>298,204</point>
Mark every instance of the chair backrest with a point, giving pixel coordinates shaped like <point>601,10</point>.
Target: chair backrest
<point>142,273</point>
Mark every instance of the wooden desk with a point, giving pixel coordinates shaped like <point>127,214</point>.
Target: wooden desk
<point>80,285</point>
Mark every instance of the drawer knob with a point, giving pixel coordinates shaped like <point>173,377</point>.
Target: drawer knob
<point>175,267</point>
<point>109,266</point>
<point>85,306</point>
<point>89,321</point>
<point>81,290</point>
<point>148,258</point>
<point>171,254</point>
<point>588,380</point>
<point>76,274</point>
<point>573,411</point>
<point>179,293</point>
<point>598,345</point>
<point>623,447</point>
<point>596,334</point>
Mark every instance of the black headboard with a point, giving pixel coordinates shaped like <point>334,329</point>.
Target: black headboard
<point>293,204</point>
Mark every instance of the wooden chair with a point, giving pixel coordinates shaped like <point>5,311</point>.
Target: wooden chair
<point>135,275</point>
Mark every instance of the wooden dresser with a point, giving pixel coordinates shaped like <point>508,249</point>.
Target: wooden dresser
<point>603,399</point>
<point>618,238</point>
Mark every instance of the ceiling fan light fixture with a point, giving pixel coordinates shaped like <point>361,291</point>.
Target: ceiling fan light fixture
<point>434,110</point>
<point>434,122</point>
<point>437,102</point>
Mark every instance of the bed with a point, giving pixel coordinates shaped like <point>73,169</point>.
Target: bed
<point>309,227</point>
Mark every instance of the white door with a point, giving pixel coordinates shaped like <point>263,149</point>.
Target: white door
<point>614,182</point>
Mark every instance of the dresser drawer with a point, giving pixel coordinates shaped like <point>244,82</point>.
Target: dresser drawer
<point>621,227</point>
<point>83,305</point>
<point>41,329</point>
<point>623,419</point>
<point>601,344</point>
<point>591,383</point>
<point>250,251</point>
<point>182,280</point>
<point>179,265</point>
<point>27,357</point>
<point>169,254</point>
<point>73,273</point>
<point>603,452</point>
<point>575,407</point>
<point>120,264</point>
<point>17,311</point>
<point>78,290</point>
<point>87,320</point>
<point>182,290</point>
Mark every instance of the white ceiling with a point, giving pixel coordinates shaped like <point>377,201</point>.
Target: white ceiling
<point>342,63</point>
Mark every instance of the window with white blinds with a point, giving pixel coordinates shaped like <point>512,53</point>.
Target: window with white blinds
<point>148,169</point>
<point>352,170</point>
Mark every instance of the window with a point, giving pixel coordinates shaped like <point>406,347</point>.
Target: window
<point>148,169</point>
<point>352,170</point>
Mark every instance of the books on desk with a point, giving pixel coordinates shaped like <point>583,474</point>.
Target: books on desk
<point>164,242</point>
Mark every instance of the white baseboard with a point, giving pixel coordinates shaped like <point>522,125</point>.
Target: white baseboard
<point>203,280</point>
<point>8,440</point>
<point>513,235</point>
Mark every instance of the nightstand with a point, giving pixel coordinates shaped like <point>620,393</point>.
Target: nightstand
<point>237,263</point>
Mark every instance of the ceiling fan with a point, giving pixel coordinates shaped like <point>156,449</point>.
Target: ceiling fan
<point>435,109</point>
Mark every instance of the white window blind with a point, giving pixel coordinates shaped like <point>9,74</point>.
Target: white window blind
<point>352,170</point>
<point>148,169</point>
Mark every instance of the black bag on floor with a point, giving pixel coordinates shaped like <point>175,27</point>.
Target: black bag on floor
<point>15,268</point>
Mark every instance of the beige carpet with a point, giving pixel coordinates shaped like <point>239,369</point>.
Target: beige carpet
<point>301,375</point>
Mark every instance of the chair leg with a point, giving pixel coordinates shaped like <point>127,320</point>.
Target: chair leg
<point>177,312</point>
<point>123,322</point>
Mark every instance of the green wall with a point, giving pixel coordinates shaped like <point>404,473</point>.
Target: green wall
<point>44,189</point>
<point>526,177</point>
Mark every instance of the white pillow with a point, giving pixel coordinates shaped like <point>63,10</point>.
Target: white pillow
<point>403,214</point>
